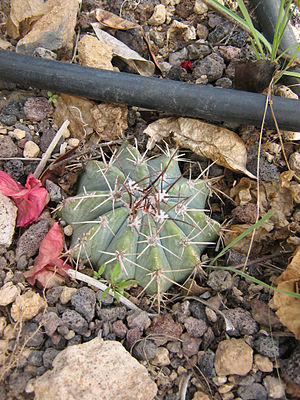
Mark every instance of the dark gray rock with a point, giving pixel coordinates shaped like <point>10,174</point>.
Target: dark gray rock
<point>139,320</point>
<point>198,51</point>
<point>220,280</point>
<point>107,300</point>
<point>267,346</point>
<point>75,340</point>
<point>206,364</point>
<point>55,191</point>
<point>29,242</point>
<point>197,310</point>
<point>195,327</point>
<point>36,358</point>
<point>14,168</point>
<point>256,391</point>
<point>212,66</point>
<point>17,382</point>
<point>32,332</point>
<point>242,322</point>
<point>49,354</point>
<point>53,295</point>
<point>73,320</point>
<point>224,83</point>
<point>145,350</point>
<point>291,366</point>
<point>47,137</point>
<point>268,172</point>
<point>112,313</point>
<point>84,302</point>
<point>219,32</point>
<point>7,147</point>
<point>8,119</point>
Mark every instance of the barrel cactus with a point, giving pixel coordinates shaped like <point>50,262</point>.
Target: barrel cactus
<point>142,213</point>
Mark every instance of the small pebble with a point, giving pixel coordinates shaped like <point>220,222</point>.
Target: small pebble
<point>161,358</point>
<point>145,350</point>
<point>31,149</point>
<point>18,134</point>
<point>263,363</point>
<point>66,294</point>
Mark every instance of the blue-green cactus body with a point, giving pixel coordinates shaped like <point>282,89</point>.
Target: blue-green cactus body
<point>142,213</point>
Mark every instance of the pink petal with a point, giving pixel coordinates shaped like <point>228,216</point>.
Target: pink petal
<point>8,185</point>
<point>30,200</point>
<point>49,269</point>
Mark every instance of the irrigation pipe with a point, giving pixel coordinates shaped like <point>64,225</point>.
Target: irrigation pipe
<point>266,12</point>
<point>177,98</point>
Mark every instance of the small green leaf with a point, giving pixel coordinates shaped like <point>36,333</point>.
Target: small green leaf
<point>117,296</point>
<point>104,294</point>
<point>101,269</point>
<point>115,272</point>
<point>49,94</point>
<point>124,284</point>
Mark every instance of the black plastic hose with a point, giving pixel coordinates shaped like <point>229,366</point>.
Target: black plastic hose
<point>267,14</point>
<point>177,98</point>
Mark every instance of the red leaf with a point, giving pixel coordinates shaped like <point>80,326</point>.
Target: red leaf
<point>30,200</point>
<point>187,65</point>
<point>49,270</point>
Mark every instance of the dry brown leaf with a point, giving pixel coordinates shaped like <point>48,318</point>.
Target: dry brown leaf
<point>242,246</point>
<point>221,145</point>
<point>23,13</point>
<point>131,57</point>
<point>288,307</point>
<point>110,120</point>
<point>113,21</point>
<point>78,111</point>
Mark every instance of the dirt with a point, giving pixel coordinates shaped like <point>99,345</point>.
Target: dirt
<point>181,347</point>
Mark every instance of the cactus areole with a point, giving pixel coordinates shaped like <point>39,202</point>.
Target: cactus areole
<point>143,213</point>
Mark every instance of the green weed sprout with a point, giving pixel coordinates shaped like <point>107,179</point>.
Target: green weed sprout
<point>142,214</point>
<point>114,283</point>
<point>262,47</point>
<point>52,97</point>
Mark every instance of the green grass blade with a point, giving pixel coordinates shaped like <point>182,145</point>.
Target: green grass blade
<point>255,280</point>
<point>242,235</point>
<point>291,73</point>
<point>249,22</point>
<point>240,21</point>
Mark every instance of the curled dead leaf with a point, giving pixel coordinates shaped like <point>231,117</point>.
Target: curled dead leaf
<point>110,120</point>
<point>78,111</point>
<point>132,58</point>
<point>219,144</point>
<point>242,246</point>
<point>288,306</point>
<point>114,21</point>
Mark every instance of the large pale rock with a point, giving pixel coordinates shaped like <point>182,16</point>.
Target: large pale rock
<point>233,356</point>
<point>27,306</point>
<point>95,54</point>
<point>54,31</point>
<point>8,215</point>
<point>95,370</point>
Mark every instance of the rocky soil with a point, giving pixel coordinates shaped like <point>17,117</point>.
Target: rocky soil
<point>218,336</point>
